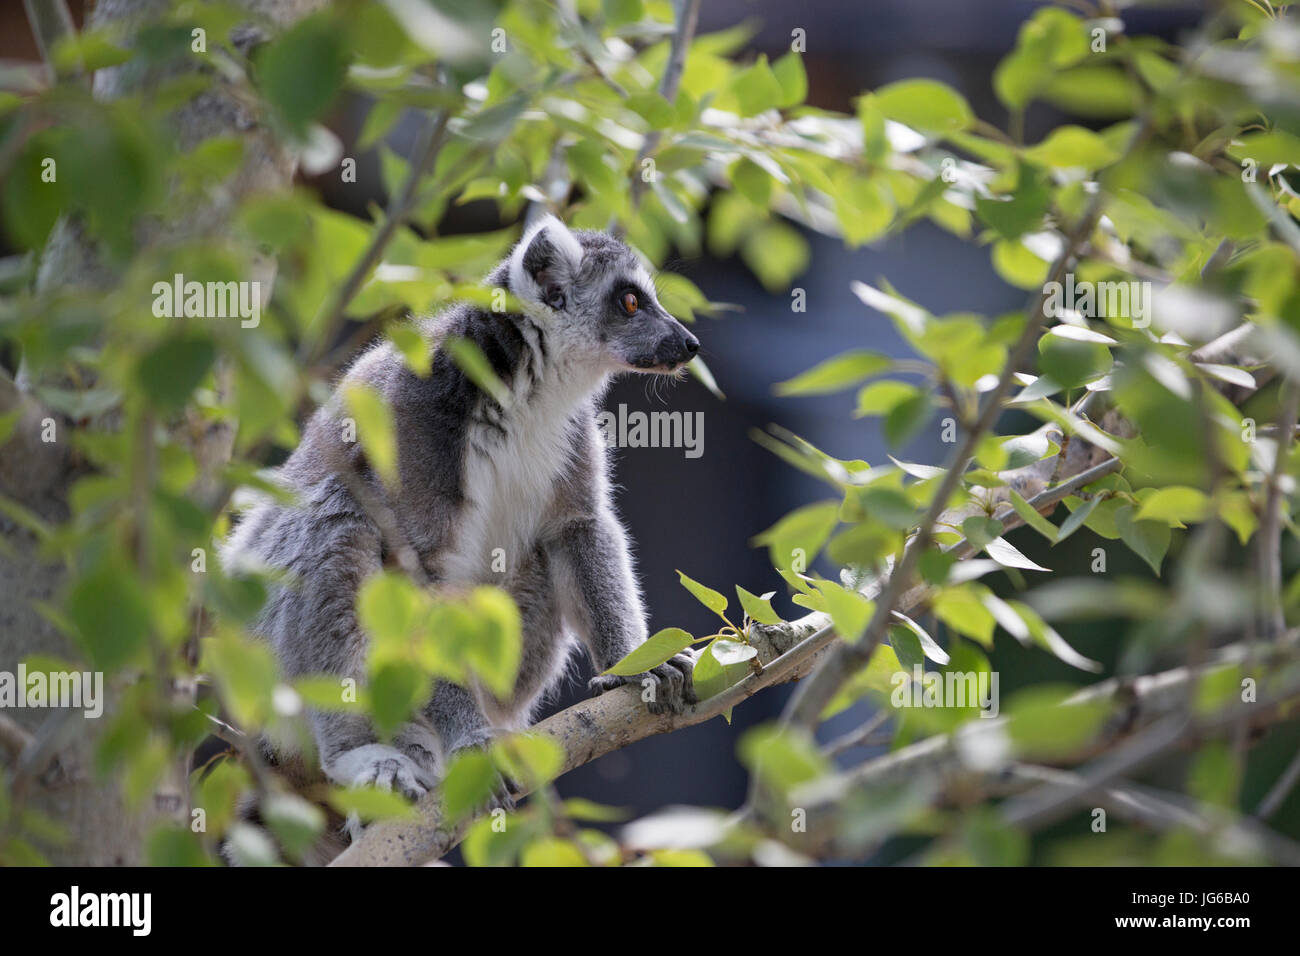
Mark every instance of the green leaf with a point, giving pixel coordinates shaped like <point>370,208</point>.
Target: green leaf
<point>620,12</point>
<point>413,348</point>
<point>729,653</point>
<point>1032,517</point>
<point>110,611</point>
<point>1097,92</point>
<point>713,600</point>
<point>87,52</point>
<point>881,398</point>
<point>32,205</point>
<point>172,845</point>
<point>389,606</point>
<point>375,430</point>
<point>1076,519</point>
<point>1069,147</point>
<point>1149,540</point>
<point>1267,149</point>
<point>371,803</point>
<point>789,72</point>
<point>580,808</point>
<point>925,105</point>
<point>907,646</point>
<point>980,530</point>
<point>1043,726</point>
<point>700,372</point>
<point>295,822</point>
<point>552,851</point>
<point>849,610</point>
<point>961,609</point>
<point>758,608</point>
<point>795,540</point>
<point>712,675</point>
<point>1007,555</point>
<point>495,649</point>
<point>1022,211</point>
<point>1017,265</point>
<point>877,677</point>
<point>468,784</point>
<point>469,358</point>
<point>1069,362</point>
<point>397,691</point>
<point>836,373</point>
<point>1051,39</point>
<point>302,70</point>
<point>776,253</point>
<point>1174,505</point>
<point>782,758</point>
<point>169,372</point>
<point>532,759</point>
<point>864,206</point>
<point>928,645</point>
<point>1042,633</point>
<point>658,648</point>
<point>756,88</point>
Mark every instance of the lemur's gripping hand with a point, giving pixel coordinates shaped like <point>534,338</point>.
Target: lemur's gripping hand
<point>671,689</point>
<point>380,766</point>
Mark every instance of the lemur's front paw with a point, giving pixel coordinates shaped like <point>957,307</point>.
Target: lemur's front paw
<point>671,691</point>
<point>381,766</point>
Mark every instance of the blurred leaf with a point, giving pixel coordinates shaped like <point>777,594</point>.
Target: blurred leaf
<point>925,105</point>
<point>301,71</point>
<point>375,429</point>
<point>836,373</point>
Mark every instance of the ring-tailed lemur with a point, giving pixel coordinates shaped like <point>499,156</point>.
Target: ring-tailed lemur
<point>528,477</point>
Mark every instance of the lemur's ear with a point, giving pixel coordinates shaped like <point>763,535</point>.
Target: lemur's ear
<point>545,262</point>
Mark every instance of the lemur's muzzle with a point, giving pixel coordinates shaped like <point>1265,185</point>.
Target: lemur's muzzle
<point>676,348</point>
<point>667,345</point>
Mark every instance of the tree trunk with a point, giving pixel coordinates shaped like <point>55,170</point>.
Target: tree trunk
<point>37,474</point>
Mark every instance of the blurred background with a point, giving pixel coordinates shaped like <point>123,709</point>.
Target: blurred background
<point>699,514</point>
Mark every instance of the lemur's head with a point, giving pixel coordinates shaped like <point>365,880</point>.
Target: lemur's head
<point>591,291</point>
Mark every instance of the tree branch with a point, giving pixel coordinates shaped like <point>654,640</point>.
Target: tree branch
<point>1149,718</point>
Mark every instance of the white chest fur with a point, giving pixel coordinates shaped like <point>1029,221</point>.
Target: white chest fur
<point>511,476</point>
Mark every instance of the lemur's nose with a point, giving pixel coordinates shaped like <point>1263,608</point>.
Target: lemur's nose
<point>692,343</point>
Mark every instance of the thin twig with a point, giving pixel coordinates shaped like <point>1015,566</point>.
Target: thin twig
<point>399,208</point>
<point>1161,810</point>
<point>858,736</point>
<point>668,87</point>
<point>1269,541</point>
<point>50,22</point>
<point>1278,793</point>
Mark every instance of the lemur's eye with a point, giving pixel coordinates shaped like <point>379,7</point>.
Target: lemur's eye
<point>630,303</point>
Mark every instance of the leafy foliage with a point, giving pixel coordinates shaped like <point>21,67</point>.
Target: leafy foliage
<point>1180,179</point>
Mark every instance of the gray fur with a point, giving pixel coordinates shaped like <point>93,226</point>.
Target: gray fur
<point>529,477</point>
